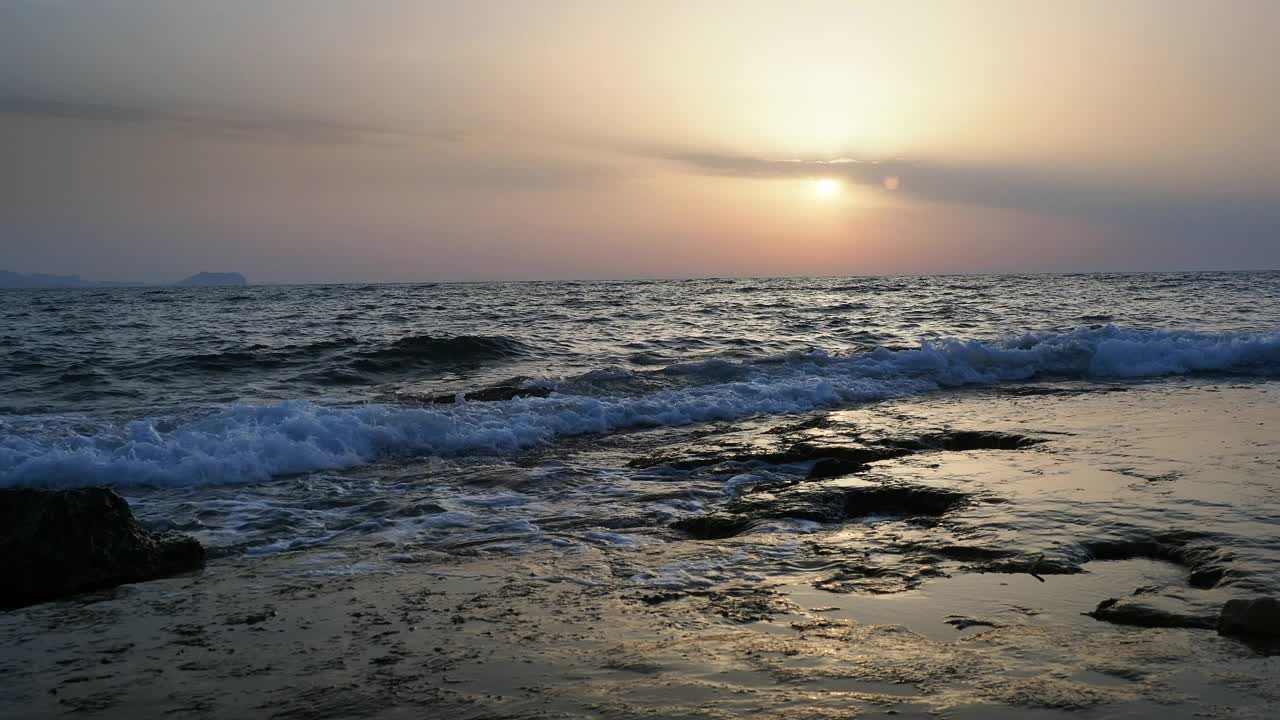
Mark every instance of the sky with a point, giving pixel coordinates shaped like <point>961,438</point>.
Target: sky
<point>399,140</point>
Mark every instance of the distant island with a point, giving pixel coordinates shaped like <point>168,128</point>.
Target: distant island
<point>12,280</point>
<point>214,279</point>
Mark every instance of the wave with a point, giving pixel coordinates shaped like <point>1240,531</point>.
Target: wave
<point>249,357</point>
<point>428,349</point>
<point>403,353</point>
<point>248,443</point>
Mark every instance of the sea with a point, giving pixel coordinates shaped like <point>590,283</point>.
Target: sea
<point>511,416</point>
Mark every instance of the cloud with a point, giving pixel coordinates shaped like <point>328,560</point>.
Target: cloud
<point>1006,188</point>
<point>243,125</point>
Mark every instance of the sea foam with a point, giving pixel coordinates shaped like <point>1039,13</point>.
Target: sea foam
<point>252,443</point>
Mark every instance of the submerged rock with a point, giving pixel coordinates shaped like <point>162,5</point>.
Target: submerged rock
<point>1034,565</point>
<point>824,504</point>
<point>509,390</point>
<point>1259,617</point>
<point>1146,613</point>
<point>56,543</point>
<point>1207,562</point>
<point>964,622</point>
<point>834,457</point>
<point>963,440</point>
<point>829,460</point>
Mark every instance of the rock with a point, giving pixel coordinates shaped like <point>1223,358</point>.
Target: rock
<point>1145,613</point>
<point>1207,577</point>
<point>1259,617</point>
<point>715,526</point>
<point>963,622</point>
<point>1207,562</point>
<point>962,440</point>
<point>829,460</point>
<point>56,543</point>
<point>824,504</point>
<point>1030,564</point>
<point>834,459</point>
<point>660,597</point>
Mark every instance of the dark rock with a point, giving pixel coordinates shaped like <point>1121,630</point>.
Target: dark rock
<point>848,454</point>
<point>962,553</point>
<point>1145,613</point>
<point>715,526</point>
<point>1256,617</point>
<point>961,440</point>
<point>1206,562</point>
<point>902,499</point>
<point>829,460</point>
<point>824,504</point>
<point>660,597</point>
<point>1207,577</point>
<point>819,504</point>
<point>962,622</point>
<point>847,460</point>
<point>56,543</point>
<point>1029,564</point>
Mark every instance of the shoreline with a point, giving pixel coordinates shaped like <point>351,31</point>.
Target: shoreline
<point>736,627</point>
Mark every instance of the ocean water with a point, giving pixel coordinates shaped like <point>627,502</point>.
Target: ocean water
<point>269,419</point>
<point>204,386</point>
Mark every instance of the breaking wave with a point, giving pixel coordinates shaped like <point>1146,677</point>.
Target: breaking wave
<point>249,443</point>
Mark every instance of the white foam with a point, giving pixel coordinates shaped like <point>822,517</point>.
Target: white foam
<point>249,443</point>
<point>738,484</point>
<point>785,526</point>
<point>612,539</point>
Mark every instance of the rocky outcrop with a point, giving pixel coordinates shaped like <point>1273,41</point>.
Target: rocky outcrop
<point>1151,613</point>
<point>822,503</point>
<point>830,459</point>
<point>1196,552</point>
<point>57,543</point>
<point>1259,617</point>
<point>965,440</point>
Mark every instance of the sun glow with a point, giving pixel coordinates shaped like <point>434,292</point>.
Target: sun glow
<point>826,187</point>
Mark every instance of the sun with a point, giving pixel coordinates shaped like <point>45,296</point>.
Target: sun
<point>826,187</point>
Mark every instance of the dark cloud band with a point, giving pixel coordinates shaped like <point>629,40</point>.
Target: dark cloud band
<point>995,187</point>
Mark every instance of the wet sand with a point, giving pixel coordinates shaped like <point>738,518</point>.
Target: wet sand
<point>929,617</point>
